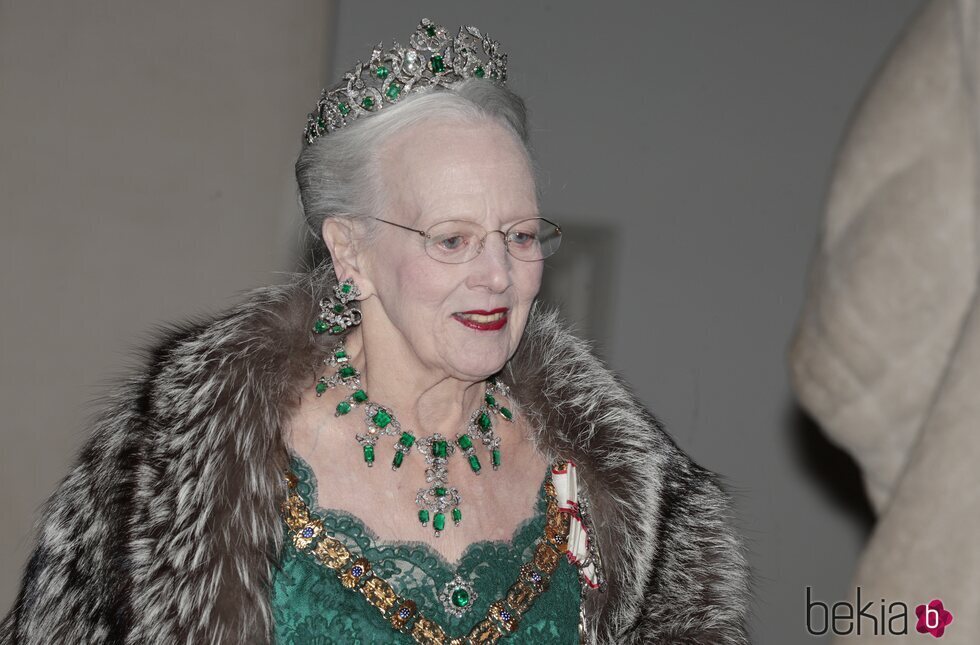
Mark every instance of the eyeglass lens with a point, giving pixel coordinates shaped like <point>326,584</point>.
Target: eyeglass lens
<point>457,241</point>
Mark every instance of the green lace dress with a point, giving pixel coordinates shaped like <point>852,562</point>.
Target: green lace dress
<point>311,607</point>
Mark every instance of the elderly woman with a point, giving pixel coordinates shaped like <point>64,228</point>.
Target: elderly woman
<point>518,490</point>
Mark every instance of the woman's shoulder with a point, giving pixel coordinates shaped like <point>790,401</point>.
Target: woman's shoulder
<point>186,450</point>
<point>665,525</point>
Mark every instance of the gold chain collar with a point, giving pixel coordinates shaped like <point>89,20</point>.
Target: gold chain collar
<point>356,574</point>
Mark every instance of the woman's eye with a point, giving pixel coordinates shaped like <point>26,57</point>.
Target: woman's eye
<point>522,239</point>
<point>452,242</point>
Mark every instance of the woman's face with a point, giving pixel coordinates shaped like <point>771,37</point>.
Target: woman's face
<point>453,171</point>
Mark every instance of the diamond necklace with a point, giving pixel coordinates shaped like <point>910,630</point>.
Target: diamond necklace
<point>438,496</point>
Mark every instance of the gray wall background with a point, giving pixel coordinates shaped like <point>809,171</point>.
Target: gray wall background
<point>145,176</point>
<point>146,155</point>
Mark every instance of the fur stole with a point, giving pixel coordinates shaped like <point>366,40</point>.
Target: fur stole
<point>167,528</point>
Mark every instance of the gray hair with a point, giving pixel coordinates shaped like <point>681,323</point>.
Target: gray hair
<point>339,174</point>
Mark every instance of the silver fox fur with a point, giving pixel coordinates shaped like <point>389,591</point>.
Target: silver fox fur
<point>167,529</point>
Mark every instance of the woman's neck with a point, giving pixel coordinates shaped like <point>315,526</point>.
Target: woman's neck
<point>423,400</point>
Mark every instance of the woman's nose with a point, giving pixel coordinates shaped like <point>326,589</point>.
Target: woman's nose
<point>491,269</point>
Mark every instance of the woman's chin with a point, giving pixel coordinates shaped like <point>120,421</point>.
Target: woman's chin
<point>477,354</point>
<point>479,369</point>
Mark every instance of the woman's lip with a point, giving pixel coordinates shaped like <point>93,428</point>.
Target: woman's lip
<point>481,326</point>
<point>484,312</point>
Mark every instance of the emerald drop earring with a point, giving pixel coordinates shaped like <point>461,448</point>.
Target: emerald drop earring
<point>336,316</point>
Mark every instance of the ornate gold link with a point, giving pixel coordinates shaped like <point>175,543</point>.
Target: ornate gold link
<point>427,632</point>
<point>380,594</point>
<point>397,620</point>
<point>295,513</point>
<point>546,558</point>
<point>484,632</point>
<point>505,618</point>
<point>332,553</point>
<point>556,530</point>
<point>356,574</point>
<point>305,535</point>
<point>528,577</point>
<point>521,596</point>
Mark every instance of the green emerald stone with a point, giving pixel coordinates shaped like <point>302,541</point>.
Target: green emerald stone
<point>440,491</point>
<point>345,288</point>
<point>457,515</point>
<point>320,123</point>
<point>437,64</point>
<point>465,442</point>
<point>381,72</point>
<point>430,31</point>
<point>439,522</point>
<point>490,400</point>
<point>369,454</point>
<point>343,407</point>
<point>507,413</point>
<point>340,354</point>
<point>320,326</point>
<point>439,449</point>
<point>407,439</point>
<point>321,387</point>
<point>367,103</point>
<point>347,371</point>
<point>336,329</point>
<point>461,598</point>
<point>495,455</point>
<point>393,91</point>
<point>360,396</point>
<point>484,421</point>
<point>474,463</point>
<point>399,458</point>
<point>478,72</point>
<point>424,516</point>
<point>338,308</point>
<point>344,108</point>
<point>381,418</point>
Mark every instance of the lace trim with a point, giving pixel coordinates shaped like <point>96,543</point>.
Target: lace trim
<point>421,554</point>
<point>358,574</point>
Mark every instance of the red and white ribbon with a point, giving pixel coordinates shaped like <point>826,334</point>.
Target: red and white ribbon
<point>565,479</point>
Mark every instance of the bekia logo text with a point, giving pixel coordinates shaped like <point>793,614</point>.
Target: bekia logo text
<point>880,619</point>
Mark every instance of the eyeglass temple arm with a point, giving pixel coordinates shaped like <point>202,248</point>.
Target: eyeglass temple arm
<point>407,228</point>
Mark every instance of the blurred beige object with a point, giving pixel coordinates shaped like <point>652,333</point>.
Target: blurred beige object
<point>886,355</point>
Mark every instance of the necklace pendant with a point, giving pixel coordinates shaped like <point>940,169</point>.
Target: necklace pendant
<point>480,428</point>
<point>379,421</point>
<point>439,497</point>
<point>465,443</point>
<point>402,448</point>
<point>368,442</point>
<point>457,596</point>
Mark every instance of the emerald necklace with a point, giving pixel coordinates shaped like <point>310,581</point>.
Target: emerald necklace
<point>438,497</point>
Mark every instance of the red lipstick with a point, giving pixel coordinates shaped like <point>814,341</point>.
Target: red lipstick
<point>492,325</point>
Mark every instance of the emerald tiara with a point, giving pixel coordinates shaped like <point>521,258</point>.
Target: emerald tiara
<point>434,59</point>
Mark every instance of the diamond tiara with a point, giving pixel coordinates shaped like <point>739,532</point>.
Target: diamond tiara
<point>434,59</point>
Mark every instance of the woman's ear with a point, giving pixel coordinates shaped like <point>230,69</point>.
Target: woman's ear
<point>340,236</point>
